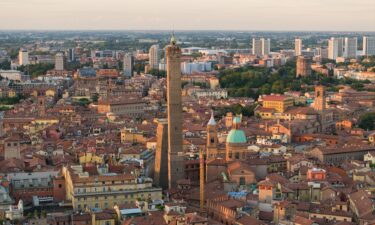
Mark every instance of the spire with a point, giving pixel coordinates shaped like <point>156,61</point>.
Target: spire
<point>173,39</point>
<point>212,121</point>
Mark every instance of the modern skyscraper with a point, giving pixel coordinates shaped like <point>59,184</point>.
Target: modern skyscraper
<point>298,46</point>
<point>266,46</point>
<point>303,67</point>
<point>257,47</point>
<point>70,54</point>
<point>128,65</point>
<point>174,108</point>
<point>335,48</point>
<point>161,155</point>
<point>154,57</point>
<point>59,61</point>
<point>350,47</point>
<point>261,47</point>
<point>368,46</point>
<point>23,57</point>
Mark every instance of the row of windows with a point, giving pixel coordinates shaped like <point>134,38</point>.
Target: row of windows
<point>14,144</point>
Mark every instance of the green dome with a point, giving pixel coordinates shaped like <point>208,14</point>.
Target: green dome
<point>236,136</point>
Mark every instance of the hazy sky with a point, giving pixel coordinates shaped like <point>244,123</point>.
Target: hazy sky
<point>325,15</point>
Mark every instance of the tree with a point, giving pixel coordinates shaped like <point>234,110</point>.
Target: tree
<point>43,214</point>
<point>95,98</point>
<point>367,121</point>
<point>36,214</point>
<point>84,102</point>
<point>158,73</point>
<point>35,70</point>
<point>5,65</point>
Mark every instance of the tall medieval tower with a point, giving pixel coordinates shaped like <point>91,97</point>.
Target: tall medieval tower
<point>161,155</point>
<point>175,161</point>
<point>320,98</point>
<point>212,140</point>
<point>41,105</point>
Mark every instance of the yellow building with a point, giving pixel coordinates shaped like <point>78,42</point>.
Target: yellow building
<point>41,123</point>
<point>106,186</point>
<point>50,93</point>
<point>90,157</point>
<point>280,103</point>
<point>131,135</point>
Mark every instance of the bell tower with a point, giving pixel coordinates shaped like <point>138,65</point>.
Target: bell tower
<point>41,105</point>
<point>320,98</point>
<point>212,140</point>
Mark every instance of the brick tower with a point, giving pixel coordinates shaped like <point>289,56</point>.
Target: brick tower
<point>41,105</point>
<point>320,98</point>
<point>212,140</point>
<point>161,155</point>
<point>175,161</point>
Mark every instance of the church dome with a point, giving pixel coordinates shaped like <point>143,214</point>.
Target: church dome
<point>236,136</point>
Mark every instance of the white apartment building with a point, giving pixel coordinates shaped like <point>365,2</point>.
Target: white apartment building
<point>298,46</point>
<point>195,67</point>
<point>23,57</point>
<point>59,61</point>
<point>350,47</point>
<point>335,48</point>
<point>368,46</point>
<point>154,56</point>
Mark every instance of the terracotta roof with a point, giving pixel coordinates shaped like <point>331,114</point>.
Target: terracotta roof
<point>299,220</point>
<point>362,203</point>
<point>275,97</point>
<point>249,220</point>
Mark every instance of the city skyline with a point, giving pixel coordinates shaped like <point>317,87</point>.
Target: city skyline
<point>269,15</point>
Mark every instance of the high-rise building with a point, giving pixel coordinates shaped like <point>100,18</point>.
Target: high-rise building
<point>261,47</point>
<point>154,57</point>
<point>161,155</point>
<point>70,54</point>
<point>350,47</point>
<point>322,52</point>
<point>335,48</point>
<point>266,46</point>
<point>298,46</point>
<point>174,108</point>
<point>368,46</point>
<point>257,47</point>
<point>303,67</point>
<point>128,65</point>
<point>59,61</point>
<point>23,57</point>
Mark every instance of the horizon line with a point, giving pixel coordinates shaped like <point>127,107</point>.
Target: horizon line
<point>185,30</point>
